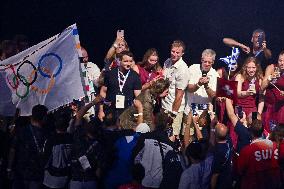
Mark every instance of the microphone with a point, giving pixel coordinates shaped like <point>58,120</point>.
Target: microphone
<point>204,73</point>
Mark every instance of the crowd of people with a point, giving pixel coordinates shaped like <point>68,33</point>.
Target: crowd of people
<point>152,125</point>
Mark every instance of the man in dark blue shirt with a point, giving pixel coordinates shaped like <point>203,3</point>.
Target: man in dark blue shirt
<point>240,125</point>
<point>222,166</point>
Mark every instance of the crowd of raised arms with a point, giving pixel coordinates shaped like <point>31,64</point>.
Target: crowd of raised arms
<point>154,125</point>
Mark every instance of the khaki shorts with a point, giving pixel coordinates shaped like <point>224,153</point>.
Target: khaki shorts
<point>177,123</point>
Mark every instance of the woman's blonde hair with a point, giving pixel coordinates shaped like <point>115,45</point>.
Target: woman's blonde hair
<point>258,73</point>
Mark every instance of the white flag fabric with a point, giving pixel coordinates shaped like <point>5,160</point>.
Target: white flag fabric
<point>231,61</point>
<point>47,73</point>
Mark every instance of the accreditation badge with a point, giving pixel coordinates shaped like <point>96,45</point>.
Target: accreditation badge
<point>119,101</point>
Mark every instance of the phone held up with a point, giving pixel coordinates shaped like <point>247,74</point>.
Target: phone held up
<point>120,33</point>
<point>254,115</point>
<point>260,39</point>
<point>239,111</point>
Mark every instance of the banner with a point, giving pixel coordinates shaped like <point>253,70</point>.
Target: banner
<point>47,73</point>
<point>226,88</point>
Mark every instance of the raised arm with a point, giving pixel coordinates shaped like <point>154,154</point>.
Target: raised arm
<point>111,52</point>
<point>267,52</point>
<point>230,111</point>
<point>267,77</point>
<point>85,108</point>
<point>101,113</point>
<point>196,127</point>
<point>233,43</point>
<point>261,100</point>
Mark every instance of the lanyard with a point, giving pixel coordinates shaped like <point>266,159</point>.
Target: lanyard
<point>253,80</point>
<point>40,150</point>
<point>122,79</point>
<point>91,147</point>
<point>257,53</point>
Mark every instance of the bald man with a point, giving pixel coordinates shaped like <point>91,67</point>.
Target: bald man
<point>221,132</point>
<point>90,73</point>
<point>221,168</point>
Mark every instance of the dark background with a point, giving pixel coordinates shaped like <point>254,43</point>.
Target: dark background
<point>147,23</point>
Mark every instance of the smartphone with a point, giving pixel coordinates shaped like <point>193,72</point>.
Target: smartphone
<point>254,115</point>
<point>239,111</point>
<point>260,39</point>
<point>120,33</point>
<point>252,87</point>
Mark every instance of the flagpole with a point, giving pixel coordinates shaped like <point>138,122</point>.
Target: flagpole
<point>275,86</point>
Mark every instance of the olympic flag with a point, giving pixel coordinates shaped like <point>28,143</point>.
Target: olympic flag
<point>47,73</point>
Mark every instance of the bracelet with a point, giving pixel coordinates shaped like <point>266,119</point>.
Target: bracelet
<point>139,114</point>
<point>175,113</point>
<point>115,45</point>
<point>212,130</point>
<point>197,85</point>
<point>206,87</point>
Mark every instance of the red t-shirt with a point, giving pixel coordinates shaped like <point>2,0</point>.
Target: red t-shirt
<point>258,165</point>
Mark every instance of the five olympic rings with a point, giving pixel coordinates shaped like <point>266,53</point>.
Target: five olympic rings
<point>28,82</point>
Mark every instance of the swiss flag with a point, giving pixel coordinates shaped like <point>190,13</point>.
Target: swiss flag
<point>226,88</point>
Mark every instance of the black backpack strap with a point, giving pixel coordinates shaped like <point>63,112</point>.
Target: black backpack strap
<point>162,154</point>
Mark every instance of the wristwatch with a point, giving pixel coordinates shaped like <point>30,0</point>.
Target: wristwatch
<point>206,87</point>
<point>173,114</point>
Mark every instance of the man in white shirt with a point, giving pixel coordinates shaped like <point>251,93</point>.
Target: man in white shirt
<point>175,69</point>
<point>90,74</point>
<point>201,89</point>
<point>202,84</point>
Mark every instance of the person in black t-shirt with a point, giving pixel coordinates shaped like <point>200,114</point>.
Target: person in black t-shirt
<point>57,152</point>
<point>259,49</point>
<point>88,150</point>
<point>222,166</point>
<point>26,154</point>
<point>121,86</point>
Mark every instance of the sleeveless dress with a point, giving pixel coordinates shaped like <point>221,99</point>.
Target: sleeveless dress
<point>249,103</point>
<point>274,104</point>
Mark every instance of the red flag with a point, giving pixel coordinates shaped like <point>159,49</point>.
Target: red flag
<point>226,88</point>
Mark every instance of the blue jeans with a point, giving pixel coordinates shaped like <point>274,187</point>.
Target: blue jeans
<point>83,184</point>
